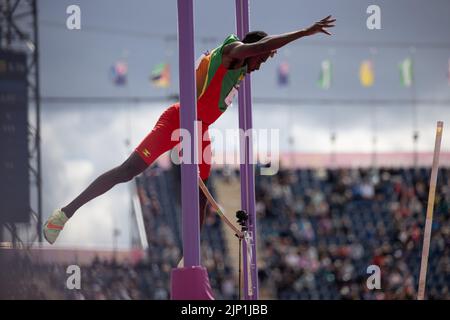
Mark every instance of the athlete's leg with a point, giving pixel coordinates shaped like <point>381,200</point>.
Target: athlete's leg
<point>158,141</point>
<point>125,172</point>
<point>152,146</point>
<point>133,166</point>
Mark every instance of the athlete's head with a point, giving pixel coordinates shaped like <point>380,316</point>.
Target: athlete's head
<point>254,36</point>
<point>253,63</point>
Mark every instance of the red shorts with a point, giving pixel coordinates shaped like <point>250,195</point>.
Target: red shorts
<point>159,140</point>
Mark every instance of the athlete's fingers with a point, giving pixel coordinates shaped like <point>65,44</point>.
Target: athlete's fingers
<point>325,24</point>
<point>325,31</point>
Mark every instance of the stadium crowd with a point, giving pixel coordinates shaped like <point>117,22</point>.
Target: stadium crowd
<point>322,229</point>
<point>319,231</point>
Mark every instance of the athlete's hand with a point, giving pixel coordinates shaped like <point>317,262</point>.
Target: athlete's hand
<point>321,26</point>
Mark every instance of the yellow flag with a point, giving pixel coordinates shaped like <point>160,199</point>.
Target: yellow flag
<point>366,74</point>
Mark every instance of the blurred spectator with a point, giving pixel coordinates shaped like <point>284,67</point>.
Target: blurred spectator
<point>346,220</point>
<point>319,230</point>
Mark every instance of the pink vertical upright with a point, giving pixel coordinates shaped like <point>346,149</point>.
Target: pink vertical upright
<point>190,282</point>
<point>247,167</point>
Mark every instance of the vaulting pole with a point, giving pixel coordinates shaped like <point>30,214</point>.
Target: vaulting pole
<point>247,168</point>
<point>429,217</point>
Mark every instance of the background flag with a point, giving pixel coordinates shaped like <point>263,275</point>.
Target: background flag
<point>161,75</point>
<point>406,72</point>
<point>366,73</point>
<point>119,73</point>
<point>325,74</point>
<point>283,74</point>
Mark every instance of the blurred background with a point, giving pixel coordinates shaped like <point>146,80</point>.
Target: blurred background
<point>356,114</point>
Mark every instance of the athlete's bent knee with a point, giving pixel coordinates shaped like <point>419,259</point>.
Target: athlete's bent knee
<point>131,168</point>
<point>124,173</point>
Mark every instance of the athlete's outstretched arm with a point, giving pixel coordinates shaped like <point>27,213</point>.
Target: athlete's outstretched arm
<point>241,51</point>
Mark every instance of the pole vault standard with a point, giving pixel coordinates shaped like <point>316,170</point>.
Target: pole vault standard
<point>247,168</point>
<point>190,282</point>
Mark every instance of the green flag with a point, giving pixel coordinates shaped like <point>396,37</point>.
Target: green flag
<point>325,74</point>
<point>406,72</point>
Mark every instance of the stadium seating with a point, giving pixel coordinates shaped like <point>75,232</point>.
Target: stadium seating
<point>323,228</point>
<point>319,230</point>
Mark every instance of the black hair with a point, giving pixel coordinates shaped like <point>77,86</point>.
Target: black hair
<point>254,36</point>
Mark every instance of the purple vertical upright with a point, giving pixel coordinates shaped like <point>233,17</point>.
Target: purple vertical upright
<point>190,282</point>
<point>247,167</point>
<point>188,115</point>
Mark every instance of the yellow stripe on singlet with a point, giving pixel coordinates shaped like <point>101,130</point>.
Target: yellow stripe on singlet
<point>202,75</point>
